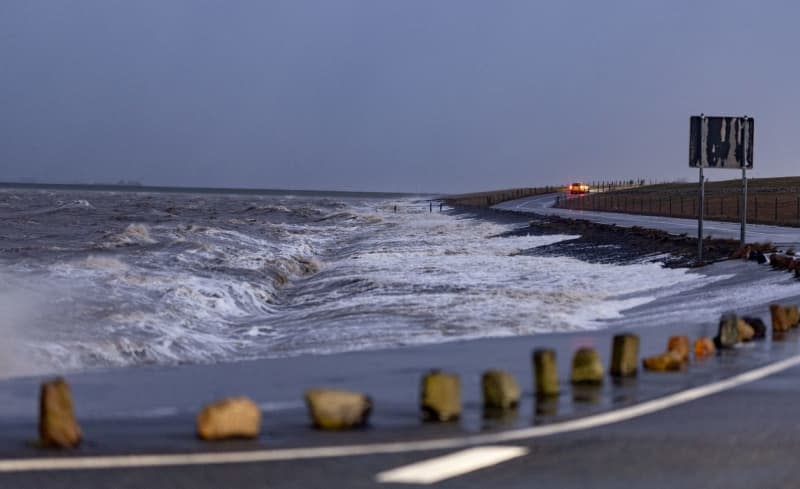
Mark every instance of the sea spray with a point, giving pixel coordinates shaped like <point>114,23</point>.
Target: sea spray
<point>18,309</point>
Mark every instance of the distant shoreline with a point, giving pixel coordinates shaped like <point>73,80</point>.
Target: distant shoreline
<point>106,187</point>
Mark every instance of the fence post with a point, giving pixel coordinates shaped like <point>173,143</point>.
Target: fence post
<point>756,208</point>
<point>776,208</point>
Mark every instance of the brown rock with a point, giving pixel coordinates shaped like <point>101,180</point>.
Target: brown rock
<point>500,390</point>
<point>703,347</point>
<point>335,409</point>
<point>746,332</point>
<point>780,320</point>
<point>234,417</point>
<point>545,370</point>
<point>759,328</point>
<point>680,345</point>
<point>792,315</point>
<point>57,424</point>
<point>668,361</point>
<point>587,367</point>
<point>440,396</point>
<point>624,355</point>
<point>781,262</point>
<point>742,252</point>
<point>728,332</point>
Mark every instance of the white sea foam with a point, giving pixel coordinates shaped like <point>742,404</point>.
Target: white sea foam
<point>79,203</point>
<point>710,302</point>
<point>465,283</point>
<point>134,234</point>
<point>254,282</point>
<point>19,309</point>
<point>103,263</point>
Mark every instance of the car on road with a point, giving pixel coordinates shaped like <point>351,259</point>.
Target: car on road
<point>578,188</point>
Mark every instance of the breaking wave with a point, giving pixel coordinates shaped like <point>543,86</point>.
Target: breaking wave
<point>134,234</point>
<point>177,278</point>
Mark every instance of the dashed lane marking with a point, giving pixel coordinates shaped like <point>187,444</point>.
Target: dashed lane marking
<point>452,465</point>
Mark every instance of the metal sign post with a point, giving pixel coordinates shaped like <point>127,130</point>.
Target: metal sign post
<point>720,142</point>
<point>700,213</point>
<point>746,156</point>
<point>742,231</point>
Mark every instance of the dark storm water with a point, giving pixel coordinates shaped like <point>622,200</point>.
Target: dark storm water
<point>109,278</point>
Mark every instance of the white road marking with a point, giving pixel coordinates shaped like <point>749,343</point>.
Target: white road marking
<point>593,421</point>
<point>452,465</point>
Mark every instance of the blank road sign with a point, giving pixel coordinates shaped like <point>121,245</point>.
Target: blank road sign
<point>721,142</point>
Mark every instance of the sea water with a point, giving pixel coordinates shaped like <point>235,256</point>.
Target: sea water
<point>94,278</point>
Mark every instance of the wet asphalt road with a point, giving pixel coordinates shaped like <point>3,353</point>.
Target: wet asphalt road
<point>747,436</point>
<point>542,204</point>
<point>742,438</point>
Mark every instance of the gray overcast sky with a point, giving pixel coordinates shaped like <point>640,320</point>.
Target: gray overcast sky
<point>437,95</point>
